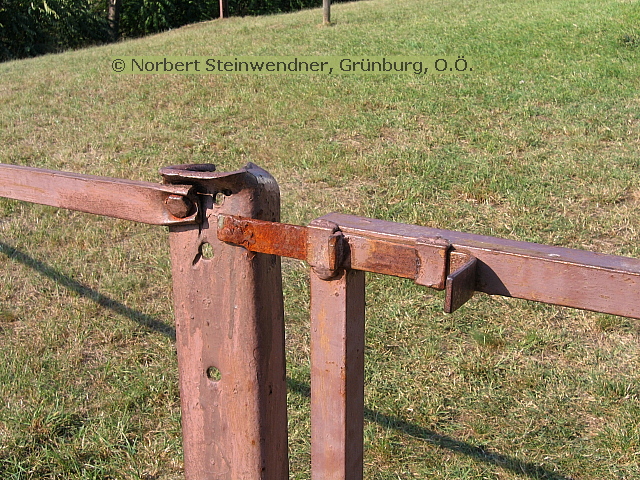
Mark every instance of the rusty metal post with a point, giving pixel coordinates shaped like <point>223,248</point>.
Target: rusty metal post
<point>230,332</point>
<point>337,369</point>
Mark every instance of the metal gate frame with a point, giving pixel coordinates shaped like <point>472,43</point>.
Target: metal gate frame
<point>226,242</point>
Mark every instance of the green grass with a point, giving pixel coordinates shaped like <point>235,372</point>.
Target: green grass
<point>539,143</point>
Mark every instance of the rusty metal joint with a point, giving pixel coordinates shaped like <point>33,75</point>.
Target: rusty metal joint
<point>235,230</point>
<point>327,248</point>
<point>440,267</point>
<point>431,261</point>
<point>262,236</point>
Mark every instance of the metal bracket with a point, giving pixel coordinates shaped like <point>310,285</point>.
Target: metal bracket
<point>461,281</point>
<point>441,268</point>
<point>430,261</point>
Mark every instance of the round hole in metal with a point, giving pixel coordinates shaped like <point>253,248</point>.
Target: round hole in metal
<point>219,198</point>
<point>213,374</point>
<point>206,250</point>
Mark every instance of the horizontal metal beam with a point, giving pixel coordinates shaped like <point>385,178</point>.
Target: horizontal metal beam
<point>542,273</point>
<point>143,202</point>
<point>423,259</point>
<point>547,274</point>
<point>280,239</point>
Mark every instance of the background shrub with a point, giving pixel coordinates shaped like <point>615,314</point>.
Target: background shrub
<point>30,28</point>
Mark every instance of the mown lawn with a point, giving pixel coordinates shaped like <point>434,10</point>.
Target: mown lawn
<point>539,143</point>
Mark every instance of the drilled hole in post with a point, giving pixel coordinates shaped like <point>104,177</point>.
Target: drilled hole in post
<point>206,250</point>
<point>213,374</point>
<point>219,198</point>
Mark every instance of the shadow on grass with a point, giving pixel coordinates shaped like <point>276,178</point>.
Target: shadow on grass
<point>478,453</point>
<point>68,282</point>
<point>481,454</point>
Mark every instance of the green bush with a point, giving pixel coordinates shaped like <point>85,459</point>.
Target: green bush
<point>142,17</point>
<point>263,7</point>
<point>29,28</point>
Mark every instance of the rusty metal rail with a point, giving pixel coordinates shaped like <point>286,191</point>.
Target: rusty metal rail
<point>445,259</point>
<point>143,202</point>
<point>229,308</point>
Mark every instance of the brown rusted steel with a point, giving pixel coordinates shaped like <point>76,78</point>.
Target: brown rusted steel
<point>432,261</point>
<point>548,274</point>
<point>265,237</point>
<point>327,248</point>
<point>337,376</point>
<point>376,255</point>
<point>144,202</point>
<point>461,281</point>
<point>422,259</point>
<point>229,308</point>
<point>179,206</point>
<point>229,333</point>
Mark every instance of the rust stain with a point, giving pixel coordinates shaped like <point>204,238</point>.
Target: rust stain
<point>264,237</point>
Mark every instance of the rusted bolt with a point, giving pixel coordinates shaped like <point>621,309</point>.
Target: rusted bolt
<point>327,247</point>
<point>178,206</point>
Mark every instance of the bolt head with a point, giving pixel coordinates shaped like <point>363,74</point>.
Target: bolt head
<point>178,206</point>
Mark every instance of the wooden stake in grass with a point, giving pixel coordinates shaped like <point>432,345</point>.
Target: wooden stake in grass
<point>326,12</point>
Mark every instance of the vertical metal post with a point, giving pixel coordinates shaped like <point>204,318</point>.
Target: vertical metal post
<point>224,8</point>
<point>229,332</point>
<point>337,376</point>
<point>326,11</point>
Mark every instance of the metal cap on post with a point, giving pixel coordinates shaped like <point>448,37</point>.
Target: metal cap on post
<point>229,332</point>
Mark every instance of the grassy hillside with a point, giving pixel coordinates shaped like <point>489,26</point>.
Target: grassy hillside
<point>539,143</point>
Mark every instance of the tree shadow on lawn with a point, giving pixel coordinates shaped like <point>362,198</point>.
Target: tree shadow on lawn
<point>482,454</point>
<point>87,292</point>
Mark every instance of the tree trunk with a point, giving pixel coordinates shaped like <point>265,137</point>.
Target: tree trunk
<point>113,17</point>
<point>326,11</point>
